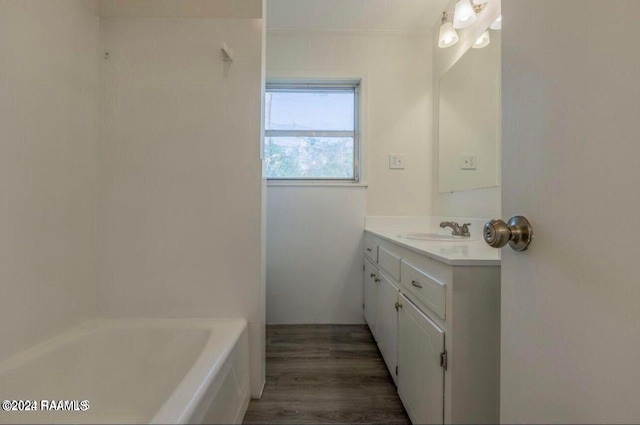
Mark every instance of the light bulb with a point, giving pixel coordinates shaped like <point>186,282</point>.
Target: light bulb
<point>482,41</point>
<point>448,35</point>
<point>497,25</point>
<point>464,14</point>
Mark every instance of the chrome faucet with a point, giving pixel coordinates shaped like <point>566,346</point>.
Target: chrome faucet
<point>457,230</point>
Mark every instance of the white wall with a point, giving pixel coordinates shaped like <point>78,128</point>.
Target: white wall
<point>314,255</point>
<point>570,304</point>
<point>396,103</point>
<point>48,136</point>
<point>179,175</point>
<point>484,203</point>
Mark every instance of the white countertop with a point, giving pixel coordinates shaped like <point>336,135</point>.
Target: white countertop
<point>459,253</point>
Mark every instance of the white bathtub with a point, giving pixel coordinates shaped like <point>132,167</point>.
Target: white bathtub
<point>135,371</point>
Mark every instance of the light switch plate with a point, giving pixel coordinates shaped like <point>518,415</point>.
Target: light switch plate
<point>469,162</point>
<point>396,161</point>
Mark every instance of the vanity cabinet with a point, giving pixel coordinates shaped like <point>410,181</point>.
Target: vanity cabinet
<point>421,380</point>
<point>439,323</point>
<point>381,304</point>
<point>370,295</point>
<point>387,322</point>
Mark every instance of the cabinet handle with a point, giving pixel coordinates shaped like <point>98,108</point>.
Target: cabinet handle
<point>372,275</point>
<point>416,284</point>
<point>369,249</point>
<point>376,280</point>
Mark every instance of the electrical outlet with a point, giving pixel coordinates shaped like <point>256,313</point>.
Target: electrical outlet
<point>469,162</point>
<point>396,161</point>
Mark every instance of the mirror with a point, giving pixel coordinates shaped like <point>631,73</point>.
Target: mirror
<point>469,124</point>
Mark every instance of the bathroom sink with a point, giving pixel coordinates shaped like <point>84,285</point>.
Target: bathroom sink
<point>436,237</point>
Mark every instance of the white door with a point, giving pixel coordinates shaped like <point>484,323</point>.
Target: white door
<point>571,164</point>
<point>370,295</point>
<point>387,323</point>
<point>420,376</point>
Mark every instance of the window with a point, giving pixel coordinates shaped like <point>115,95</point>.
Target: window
<point>311,131</point>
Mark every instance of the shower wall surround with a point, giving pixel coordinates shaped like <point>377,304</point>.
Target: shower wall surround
<point>48,139</point>
<point>130,165</point>
<point>179,172</point>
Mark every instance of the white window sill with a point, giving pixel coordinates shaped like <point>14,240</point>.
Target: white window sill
<point>311,183</point>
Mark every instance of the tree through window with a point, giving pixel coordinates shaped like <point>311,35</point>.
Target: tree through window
<point>311,131</point>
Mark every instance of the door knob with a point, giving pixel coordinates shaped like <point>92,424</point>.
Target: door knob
<point>518,233</point>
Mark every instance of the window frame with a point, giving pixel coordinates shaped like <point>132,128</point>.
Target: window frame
<point>329,85</point>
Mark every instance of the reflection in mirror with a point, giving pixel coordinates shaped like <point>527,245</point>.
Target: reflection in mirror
<point>469,125</point>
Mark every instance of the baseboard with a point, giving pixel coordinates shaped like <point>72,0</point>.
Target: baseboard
<point>259,396</point>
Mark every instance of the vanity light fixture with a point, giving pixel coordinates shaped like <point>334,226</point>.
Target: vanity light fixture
<point>448,35</point>
<point>464,15</point>
<point>482,41</point>
<point>497,25</point>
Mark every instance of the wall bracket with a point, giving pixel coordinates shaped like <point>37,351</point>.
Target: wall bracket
<point>227,53</point>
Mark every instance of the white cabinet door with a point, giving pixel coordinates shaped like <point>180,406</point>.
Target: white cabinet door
<point>387,323</point>
<point>370,295</point>
<point>420,376</point>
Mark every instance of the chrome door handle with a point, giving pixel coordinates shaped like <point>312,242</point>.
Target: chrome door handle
<point>518,233</point>
<point>416,284</point>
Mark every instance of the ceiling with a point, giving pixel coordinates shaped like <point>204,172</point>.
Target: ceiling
<point>354,15</point>
<point>177,8</point>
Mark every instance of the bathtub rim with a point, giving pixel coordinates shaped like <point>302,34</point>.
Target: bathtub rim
<point>188,393</point>
<point>185,399</point>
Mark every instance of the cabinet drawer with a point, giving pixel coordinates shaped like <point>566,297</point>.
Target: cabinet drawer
<point>390,263</point>
<point>426,289</point>
<point>371,250</point>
